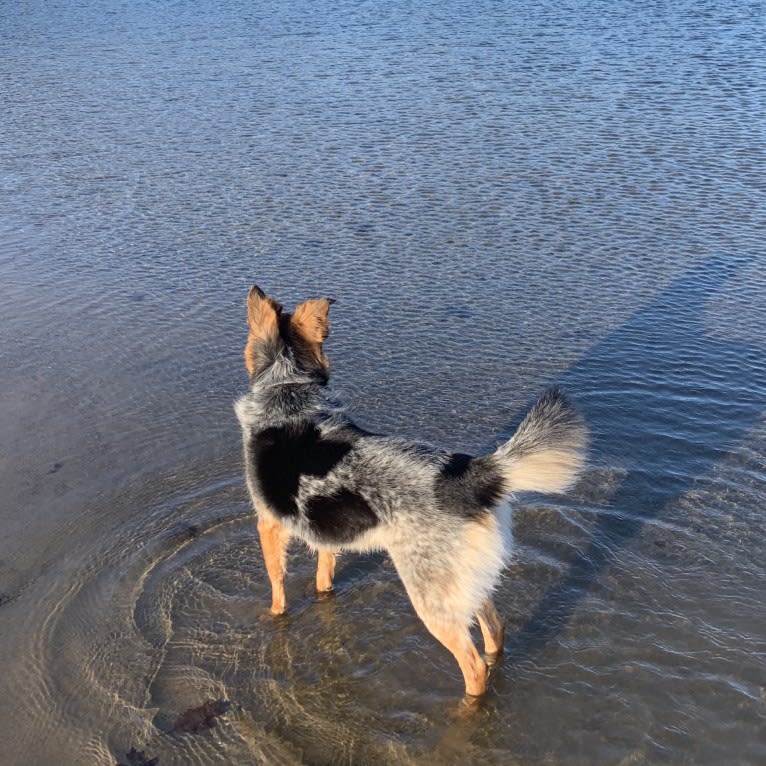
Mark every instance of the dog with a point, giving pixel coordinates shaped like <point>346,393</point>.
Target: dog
<point>443,518</point>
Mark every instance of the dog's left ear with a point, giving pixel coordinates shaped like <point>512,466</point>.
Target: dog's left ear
<point>311,320</point>
<point>309,327</point>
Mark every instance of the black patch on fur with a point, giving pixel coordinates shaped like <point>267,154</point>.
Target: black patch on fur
<point>283,454</point>
<point>457,465</point>
<point>340,517</point>
<point>468,485</point>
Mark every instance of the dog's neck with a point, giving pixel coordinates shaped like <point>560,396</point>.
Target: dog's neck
<point>290,399</point>
<point>282,392</point>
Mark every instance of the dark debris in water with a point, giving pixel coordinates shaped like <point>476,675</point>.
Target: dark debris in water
<point>202,718</point>
<point>138,758</point>
<point>459,312</point>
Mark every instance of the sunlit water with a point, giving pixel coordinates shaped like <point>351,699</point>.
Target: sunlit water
<point>500,197</point>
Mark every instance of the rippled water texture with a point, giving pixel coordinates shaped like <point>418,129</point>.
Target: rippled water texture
<point>500,196</point>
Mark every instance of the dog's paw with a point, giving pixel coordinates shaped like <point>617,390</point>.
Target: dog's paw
<point>325,594</point>
<point>468,707</point>
<point>269,616</point>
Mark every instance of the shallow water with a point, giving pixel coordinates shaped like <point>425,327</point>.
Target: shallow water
<point>499,198</point>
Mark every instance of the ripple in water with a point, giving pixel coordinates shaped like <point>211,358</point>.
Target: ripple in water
<point>499,199</point>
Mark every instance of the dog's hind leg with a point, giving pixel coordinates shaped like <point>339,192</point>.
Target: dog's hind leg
<point>325,571</point>
<point>492,628</point>
<point>274,539</point>
<point>457,638</point>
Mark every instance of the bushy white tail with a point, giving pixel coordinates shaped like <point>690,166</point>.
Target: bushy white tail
<point>547,452</point>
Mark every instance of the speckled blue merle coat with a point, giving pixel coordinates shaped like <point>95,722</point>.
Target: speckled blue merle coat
<point>442,517</point>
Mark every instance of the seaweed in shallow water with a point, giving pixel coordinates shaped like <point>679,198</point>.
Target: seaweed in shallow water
<point>202,718</point>
<point>137,758</point>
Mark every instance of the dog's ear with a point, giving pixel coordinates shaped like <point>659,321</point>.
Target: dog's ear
<point>311,319</point>
<point>263,340</point>
<point>309,327</point>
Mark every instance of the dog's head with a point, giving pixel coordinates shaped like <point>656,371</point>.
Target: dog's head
<point>274,333</point>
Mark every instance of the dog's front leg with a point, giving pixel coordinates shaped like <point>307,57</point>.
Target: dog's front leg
<point>325,571</point>
<point>274,539</point>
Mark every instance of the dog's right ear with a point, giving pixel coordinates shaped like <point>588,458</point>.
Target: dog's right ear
<point>263,339</point>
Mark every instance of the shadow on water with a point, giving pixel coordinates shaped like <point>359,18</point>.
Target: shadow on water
<point>666,402</point>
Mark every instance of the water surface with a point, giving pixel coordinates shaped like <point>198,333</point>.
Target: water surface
<point>500,197</point>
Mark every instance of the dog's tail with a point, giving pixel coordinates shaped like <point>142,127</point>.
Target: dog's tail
<point>547,452</point>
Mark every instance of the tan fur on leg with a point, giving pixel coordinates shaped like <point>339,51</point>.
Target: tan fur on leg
<point>325,571</point>
<point>274,539</point>
<point>492,628</point>
<point>457,639</point>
